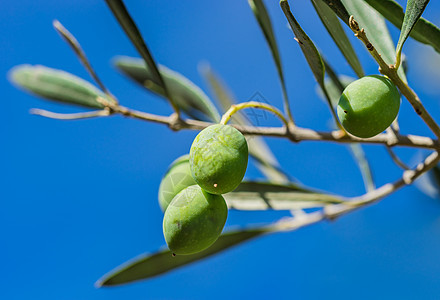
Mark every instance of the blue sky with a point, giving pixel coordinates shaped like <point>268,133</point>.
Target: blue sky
<point>78,198</point>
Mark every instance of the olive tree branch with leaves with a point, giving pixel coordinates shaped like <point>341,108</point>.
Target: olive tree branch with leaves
<point>279,192</point>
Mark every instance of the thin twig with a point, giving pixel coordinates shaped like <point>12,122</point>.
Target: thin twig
<point>296,134</point>
<point>331,212</point>
<point>407,178</point>
<point>75,116</point>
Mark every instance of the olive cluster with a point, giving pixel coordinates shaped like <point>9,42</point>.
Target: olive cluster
<point>191,191</point>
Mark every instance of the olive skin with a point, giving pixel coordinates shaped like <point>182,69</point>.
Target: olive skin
<point>194,220</point>
<point>176,179</point>
<point>218,158</point>
<point>368,106</point>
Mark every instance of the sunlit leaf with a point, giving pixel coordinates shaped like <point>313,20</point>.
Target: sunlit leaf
<point>413,12</point>
<point>308,48</point>
<point>339,9</point>
<point>189,97</point>
<point>423,31</point>
<point>263,19</point>
<point>364,166</point>
<point>266,161</point>
<point>57,85</point>
<point>333,90</point>
<point>310,52</point>
<point>268,196</point>
<point>333,26</point>
<point>149,265</point>
<point>70,39</point>
<point>376,29</point>
<point>128,25</point>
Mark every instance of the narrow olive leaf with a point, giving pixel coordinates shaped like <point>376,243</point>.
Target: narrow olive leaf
<point>423,31</point>
<point>334,28</point>
<point>335,79</point>
<point>188,96</point>
<point>79,52</point>
<point>333,90</point>
<point>149,265</point>
<point>120,12</point>
<point>413,12</point>
<point>253,195</point>
<point>339,9</point>
<point>58,85</point>
<point>364,166</point>
<point>308,48</point>
<point>265,23</point>
<point>375,27</point>
<point>310,52</point>
<point>266,161</point>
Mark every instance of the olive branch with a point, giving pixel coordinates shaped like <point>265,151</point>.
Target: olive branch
<point>109,105</point>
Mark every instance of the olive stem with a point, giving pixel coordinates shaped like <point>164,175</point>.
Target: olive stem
<point>391,72</point>
<point>296,134</point>
<point>236,107</point>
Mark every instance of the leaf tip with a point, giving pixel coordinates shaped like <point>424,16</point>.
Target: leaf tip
<point>18,75</point>
<point>56,24</point>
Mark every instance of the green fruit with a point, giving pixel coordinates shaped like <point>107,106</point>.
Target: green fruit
<point>176,179</point>
<point>194,220</point>
<point>368,106</point>
<point>218,158</point>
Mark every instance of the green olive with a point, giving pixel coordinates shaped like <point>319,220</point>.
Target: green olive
<point>368,106</point>
<point>176,179</point>
<point>194,220</point>
<point>218,158</point>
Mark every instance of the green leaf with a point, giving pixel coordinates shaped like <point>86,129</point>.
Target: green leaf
<point>423,31</point>
<point>263,19</point>
<point>253,195</point>
<point>266,161</point>
<point>413,12</point>
<point>334,28</point>
<point>188,97</point>
<point>57,85</point>
<point>120,12</point>
<point>339,9</point>
<point>310,52</point>
<point>333,90</point>
<point>149,265</point>
<point>376,29</point>
<point>364,166</point>
<point>307,47</point>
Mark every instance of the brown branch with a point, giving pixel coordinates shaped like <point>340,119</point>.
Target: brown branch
<point>296,134</point>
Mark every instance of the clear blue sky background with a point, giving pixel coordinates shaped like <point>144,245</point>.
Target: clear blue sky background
<point>78,198</point>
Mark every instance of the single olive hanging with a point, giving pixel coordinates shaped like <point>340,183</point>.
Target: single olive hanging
<point>368,106</point>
